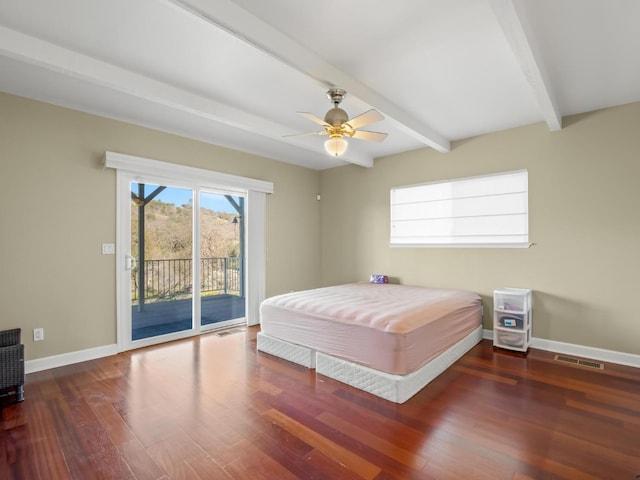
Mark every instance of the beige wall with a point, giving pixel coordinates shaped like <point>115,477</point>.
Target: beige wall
<point>58,205</point>
<point>583,202</point>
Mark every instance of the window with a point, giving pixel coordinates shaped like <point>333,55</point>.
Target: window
<point>486,211</point>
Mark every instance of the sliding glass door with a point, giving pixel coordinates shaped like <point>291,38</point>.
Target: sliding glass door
<point>190,250</point>
<point>184,262</point>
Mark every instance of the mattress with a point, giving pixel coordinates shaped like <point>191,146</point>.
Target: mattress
<point>395,329</point>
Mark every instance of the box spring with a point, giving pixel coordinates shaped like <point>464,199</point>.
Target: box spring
<point>395,388</point>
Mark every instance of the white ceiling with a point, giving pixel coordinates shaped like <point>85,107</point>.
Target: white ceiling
<point>236,73</point>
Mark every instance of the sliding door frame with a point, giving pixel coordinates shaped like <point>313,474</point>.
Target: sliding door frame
<point>130,168</point>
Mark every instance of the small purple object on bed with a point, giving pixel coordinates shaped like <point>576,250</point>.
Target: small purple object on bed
<point>378,279</point>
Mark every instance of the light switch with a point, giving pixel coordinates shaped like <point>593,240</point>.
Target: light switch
<point>108,249</point>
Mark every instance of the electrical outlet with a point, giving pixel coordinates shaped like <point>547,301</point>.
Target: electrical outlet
<point>38,334</point>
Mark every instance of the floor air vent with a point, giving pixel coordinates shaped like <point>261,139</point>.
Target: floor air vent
<point>579,361</point>
<point>224,333</point>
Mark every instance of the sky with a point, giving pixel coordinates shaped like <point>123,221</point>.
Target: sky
<point>182,196</point>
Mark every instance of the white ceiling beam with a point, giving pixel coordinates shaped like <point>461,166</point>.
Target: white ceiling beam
<point>229,16</point>
<point>510,19</point>
<point>32,50</point>
<point>37,52</point>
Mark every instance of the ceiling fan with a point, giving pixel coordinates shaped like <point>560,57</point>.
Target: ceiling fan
<point>337,125</point>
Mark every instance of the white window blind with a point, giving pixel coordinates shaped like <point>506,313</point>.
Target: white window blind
<point>486,211</point>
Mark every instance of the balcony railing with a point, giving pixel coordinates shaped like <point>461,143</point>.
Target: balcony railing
<point>173,279</point>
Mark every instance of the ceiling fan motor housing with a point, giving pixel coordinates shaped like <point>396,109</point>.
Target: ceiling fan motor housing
<point>336,116</point>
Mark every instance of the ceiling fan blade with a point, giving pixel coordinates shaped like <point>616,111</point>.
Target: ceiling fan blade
<point>306,134</point>
<point>365,118</point>
<point>371,136</point>
<point>313,118</point>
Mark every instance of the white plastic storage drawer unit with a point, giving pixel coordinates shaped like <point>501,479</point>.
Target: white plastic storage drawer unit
<point>512,319</point>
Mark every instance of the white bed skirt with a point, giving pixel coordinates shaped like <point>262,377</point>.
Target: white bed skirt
<point>395,388</point>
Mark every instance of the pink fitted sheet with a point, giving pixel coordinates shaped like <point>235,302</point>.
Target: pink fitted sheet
<point>392,328</point>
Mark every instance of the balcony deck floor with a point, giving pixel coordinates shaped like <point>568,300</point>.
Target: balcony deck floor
<point>172,316</point>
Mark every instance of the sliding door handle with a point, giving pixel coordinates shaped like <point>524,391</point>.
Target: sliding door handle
<point>130,262</point>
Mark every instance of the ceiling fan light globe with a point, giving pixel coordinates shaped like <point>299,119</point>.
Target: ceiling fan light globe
<point>336,146</point>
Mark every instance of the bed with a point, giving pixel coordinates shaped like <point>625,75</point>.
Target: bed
<point>389,340</point>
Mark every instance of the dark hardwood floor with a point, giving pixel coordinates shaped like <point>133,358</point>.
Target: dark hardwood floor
<point>214,408</point>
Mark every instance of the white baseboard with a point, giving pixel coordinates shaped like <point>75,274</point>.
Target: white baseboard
<point>39,364</point>
<point>594,353</point>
